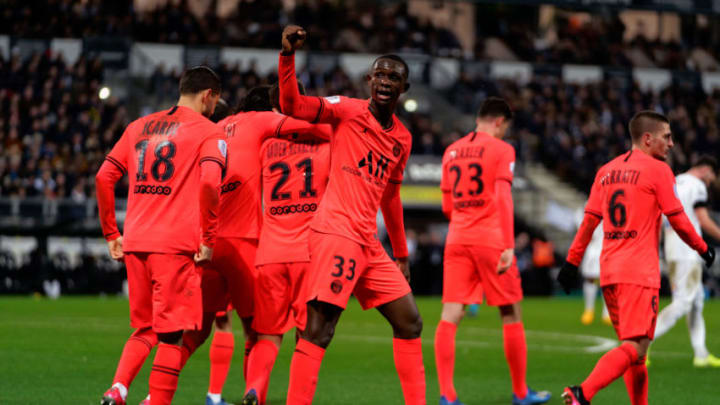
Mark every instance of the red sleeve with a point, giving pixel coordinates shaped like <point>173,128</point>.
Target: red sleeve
<point>666,191</point>
<point>214,149</point>
<point>503,192</point>
<point>105,180</point>
<point>392,210</point>
<point>119,155</point>
<point>328,110</point>
<point>682,225</point>
<point>582,238</point>
<point>594,204</point>
<point>209,199</point>
<point>447,204</point>
<point>506,164</point>
<point>289,127</point>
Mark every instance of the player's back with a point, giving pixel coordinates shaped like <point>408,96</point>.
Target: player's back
<point>162,153</point>
<point>240,196</point>
<point>470,168</point>
<point>628,194</point>
<point>294,178</point>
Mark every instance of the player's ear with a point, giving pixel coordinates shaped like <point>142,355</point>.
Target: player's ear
<point>499,121</point>
<point>407,87</point>
<point>368,77</point>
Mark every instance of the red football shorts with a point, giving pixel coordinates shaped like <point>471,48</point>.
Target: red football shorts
<point>279,298</point>
<point>230,276</point>
<point>471,272</point>
<point>633,309</point>
<point>340,267</point>
<point>164,291</point>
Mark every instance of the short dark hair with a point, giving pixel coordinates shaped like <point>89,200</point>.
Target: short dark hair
<point>645,121</point>
<point>275,94</point>
<point>707,160</point>
<point>396,58</point>
<point>222,110</point>
<point>495,107</point>
<point>257,99</point>
<point>197,79</point>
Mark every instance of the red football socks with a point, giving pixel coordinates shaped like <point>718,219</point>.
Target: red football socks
<point>136,350</point>
<point>260,365</point>
<point>516,356</point>
<point>409,365</point>
<point>304,370</point>
<point>636,382</point>
<point>221,352</point>
<point>189,345</point>
<point>249,343</point>
<point>164,374</point>
<point>445,358</point>
<point>611,366</point>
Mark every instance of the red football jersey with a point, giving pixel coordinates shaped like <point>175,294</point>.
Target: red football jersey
<point>470,167</point>
<point>365,157</point>
<point>630,194</point>
<point>294,178</point>
<point>161,154</point>
<point>240,196</point>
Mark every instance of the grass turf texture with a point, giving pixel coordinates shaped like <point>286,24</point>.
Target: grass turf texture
<point>65,352</point>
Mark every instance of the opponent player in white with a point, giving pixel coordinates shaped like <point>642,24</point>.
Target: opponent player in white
<point>685,266</point>
<point>590,269</point>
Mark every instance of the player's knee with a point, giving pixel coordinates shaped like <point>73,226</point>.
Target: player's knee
<point>411,328</point>
<point>320,336</point>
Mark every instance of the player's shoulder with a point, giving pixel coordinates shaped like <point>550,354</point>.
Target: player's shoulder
<point>501,146</point>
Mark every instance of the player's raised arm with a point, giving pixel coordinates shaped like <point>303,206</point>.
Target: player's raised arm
<point>291,101</point>
<point>112,170</point>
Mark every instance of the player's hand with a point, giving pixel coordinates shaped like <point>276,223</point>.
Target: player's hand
<point>568,276</point>
<point>709,256</point>
<point>506,259</point>
<point>404,266</point>
<point>116,249</point>
<point>203,255</point>
<point>293,38</point>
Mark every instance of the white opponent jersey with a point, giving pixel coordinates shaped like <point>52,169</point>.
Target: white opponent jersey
<point>692,193</point>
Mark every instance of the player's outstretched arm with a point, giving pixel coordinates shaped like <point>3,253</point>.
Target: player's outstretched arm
<point>105,180</point>
<point>209,200</point>
<point>392,210</point>
<point>295,129</point>
<point>569,271</point>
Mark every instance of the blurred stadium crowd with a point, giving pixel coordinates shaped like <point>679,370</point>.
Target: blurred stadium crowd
<point>55,130</point>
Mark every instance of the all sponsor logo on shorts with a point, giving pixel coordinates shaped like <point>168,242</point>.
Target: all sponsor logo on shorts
<point>293,209</point>
<point>156,190</point>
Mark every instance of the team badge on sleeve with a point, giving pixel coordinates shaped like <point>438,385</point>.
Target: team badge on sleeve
<point>512,167</point>
<point>222,146</point>
<point>333,99</point>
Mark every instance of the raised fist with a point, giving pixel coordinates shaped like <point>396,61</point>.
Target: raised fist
<point>293,37</point>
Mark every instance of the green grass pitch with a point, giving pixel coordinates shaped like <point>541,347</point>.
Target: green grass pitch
<point>65,352</point>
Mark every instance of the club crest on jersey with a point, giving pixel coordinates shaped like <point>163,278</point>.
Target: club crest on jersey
<point>336,286</point>
<point>397,149</point>
<point>222,146</point>
<point>333,99</point>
